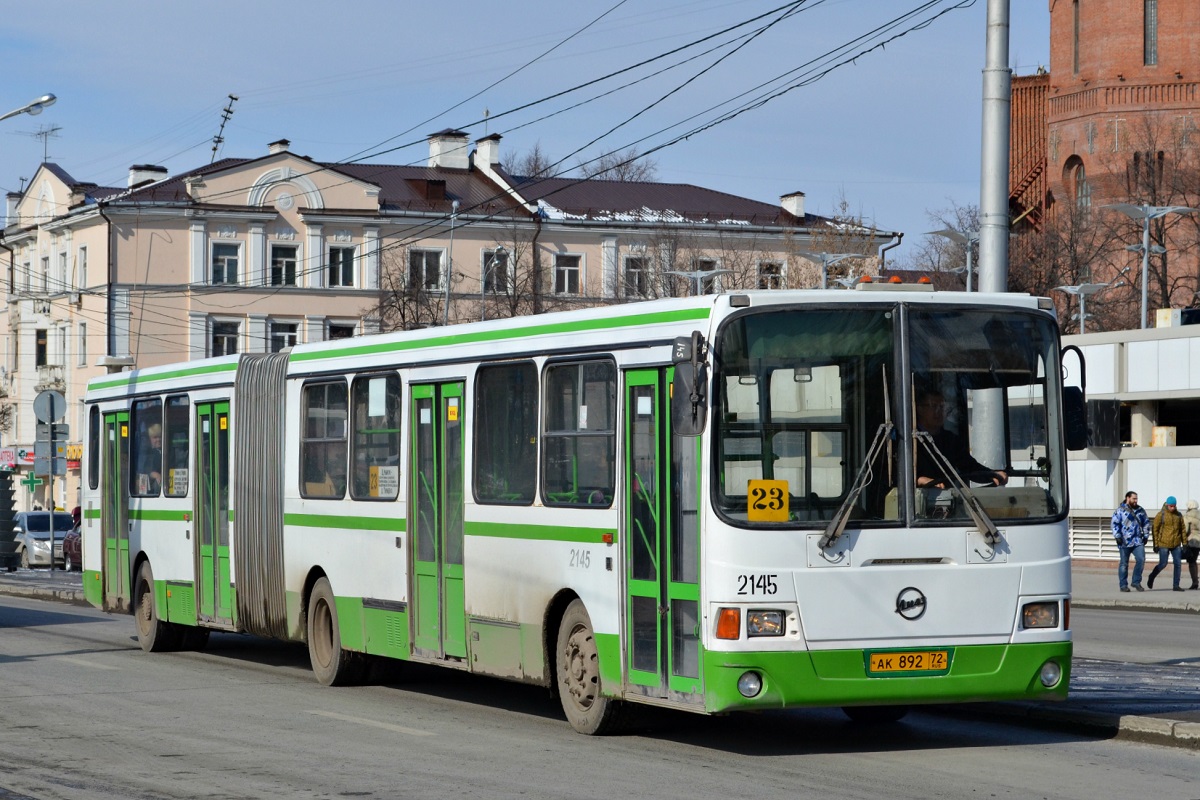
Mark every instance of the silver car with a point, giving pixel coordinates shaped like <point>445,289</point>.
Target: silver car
<point>31,532</point>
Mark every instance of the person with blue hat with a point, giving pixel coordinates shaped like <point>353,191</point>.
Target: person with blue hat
<point>1169,537</point>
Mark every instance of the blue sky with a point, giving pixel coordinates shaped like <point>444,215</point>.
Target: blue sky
<point>895,132</point>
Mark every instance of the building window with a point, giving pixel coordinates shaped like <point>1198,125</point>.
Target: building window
<point>341,266</point>
<point>637,277</point>
<point>225,263</point>
<point>1083,190</point>
<point>82,276</point>
<point>495,271</point>
<point>45,273</point>
<point>60,280</point>
<point>424,269</point>
<point>707,285</point>
<point>83,344</point>
<point>224,340</point>
<point>323,440</point>
<point>283,334</point>
<point>1150,33</point>
<point>283,265</point>
<point>340,331</point>
<point>40,348</point>
<point>1075,37</point>
<point>770,275</point>
<point>566,274</point>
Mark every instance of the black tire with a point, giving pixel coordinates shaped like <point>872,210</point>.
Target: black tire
<point>154,634</point>
<point>332,665</point>
<point>24,559</point>
<point>577,665</point>
<point>875,715</point>
<point>68,563</point>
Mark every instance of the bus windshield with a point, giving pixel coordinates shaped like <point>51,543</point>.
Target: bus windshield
<point>817,408</point>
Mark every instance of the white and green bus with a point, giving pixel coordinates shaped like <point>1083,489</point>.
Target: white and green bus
<point>710,504</point>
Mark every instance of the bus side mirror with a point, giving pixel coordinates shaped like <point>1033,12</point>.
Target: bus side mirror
<point>1074,418</point>
<point>689,389</point>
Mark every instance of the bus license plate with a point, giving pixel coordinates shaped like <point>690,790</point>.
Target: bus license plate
<point>893,662</point>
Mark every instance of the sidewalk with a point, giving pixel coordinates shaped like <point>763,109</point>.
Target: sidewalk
<point>1157,703</point>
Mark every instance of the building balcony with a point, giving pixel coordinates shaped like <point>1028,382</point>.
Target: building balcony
<point>51,376</point>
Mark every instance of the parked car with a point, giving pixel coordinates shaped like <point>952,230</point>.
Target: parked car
<point>72,550</point>
<point>31,532</point>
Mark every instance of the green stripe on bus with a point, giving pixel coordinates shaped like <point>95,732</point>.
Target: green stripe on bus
<point>541,533</point>
<point>132,379</point>
<point>155,515</point>
<point>354,523</point>
<point>576,326</point>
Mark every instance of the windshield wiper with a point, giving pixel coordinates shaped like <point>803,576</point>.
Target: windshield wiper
<point>990,534</point>
<point>833,531</point>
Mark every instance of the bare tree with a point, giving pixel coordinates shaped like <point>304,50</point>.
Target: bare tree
<point>533,163</point>
<point>6,417</point>
<point>625,165</point>
<point>942,258</point>
<point>405,301</point>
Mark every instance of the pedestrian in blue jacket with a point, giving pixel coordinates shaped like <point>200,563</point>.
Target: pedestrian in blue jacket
<point>1131,529</point>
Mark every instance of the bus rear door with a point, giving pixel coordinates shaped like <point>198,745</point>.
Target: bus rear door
<point>114,529</point>
<point>661,533</point>
<point>214,602</point>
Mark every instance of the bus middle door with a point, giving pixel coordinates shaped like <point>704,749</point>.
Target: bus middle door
<point>436,519</point>
<point>662,544</point>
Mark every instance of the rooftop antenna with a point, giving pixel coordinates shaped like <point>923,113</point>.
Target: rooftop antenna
<point>219,139</point>
<point>45,133</point>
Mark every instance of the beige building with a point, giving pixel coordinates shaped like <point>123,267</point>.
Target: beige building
<point>254,255</point>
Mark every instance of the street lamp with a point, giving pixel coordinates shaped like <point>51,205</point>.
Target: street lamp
<point>499,253</point>
<point>1082,291</point>
<point>1146,213</point>
<point>967,238</point>
<point>450,261</point>
<point>34,108</point>
<point>698,275</point>
<point>827,260</point>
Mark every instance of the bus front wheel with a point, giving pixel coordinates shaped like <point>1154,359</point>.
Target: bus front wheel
<point>332,665</point>
<point>578,675</point>
<point>154,635</point>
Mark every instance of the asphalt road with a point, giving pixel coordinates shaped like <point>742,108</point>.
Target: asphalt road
<point>87,714</point>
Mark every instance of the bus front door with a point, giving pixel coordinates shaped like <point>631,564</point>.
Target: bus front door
<point>661,534</point>
<point>114,530</point>
<point>214,602</point>
<point>436,520</point>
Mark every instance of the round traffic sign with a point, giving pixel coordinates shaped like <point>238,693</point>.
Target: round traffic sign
<point>49,406</point>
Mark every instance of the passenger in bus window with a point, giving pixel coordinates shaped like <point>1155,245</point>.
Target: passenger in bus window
<point>150,461</point>
<point>931,417</point>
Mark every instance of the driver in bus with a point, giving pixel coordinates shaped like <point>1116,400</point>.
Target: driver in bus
<point>931,417</point>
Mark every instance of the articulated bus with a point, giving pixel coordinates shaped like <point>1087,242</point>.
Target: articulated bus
<point>710,504</point>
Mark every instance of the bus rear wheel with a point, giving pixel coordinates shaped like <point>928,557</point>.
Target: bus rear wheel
<point>578,675</point>
<point>154,634</point>
<point>332,665</point>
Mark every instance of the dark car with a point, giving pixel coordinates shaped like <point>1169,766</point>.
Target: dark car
<point>73,551</point>
<point>31,532</point>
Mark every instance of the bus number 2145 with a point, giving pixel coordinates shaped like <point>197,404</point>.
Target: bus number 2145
<point>757,584</point>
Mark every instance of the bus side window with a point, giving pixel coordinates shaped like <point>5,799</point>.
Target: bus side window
<point>323,440</point>
<point>506,430</point>
<point>375,404</point>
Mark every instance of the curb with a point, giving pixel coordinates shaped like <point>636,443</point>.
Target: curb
<point>1149,730</point>
<point>1122,605</point>
<point>71,596</point>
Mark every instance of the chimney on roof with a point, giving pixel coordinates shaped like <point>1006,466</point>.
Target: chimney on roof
<point>278,146</point>
<point>11,217</point>
<point>145,173</point>
<point>448,149</point>
<point>487,150</point>
<point>793,204</point>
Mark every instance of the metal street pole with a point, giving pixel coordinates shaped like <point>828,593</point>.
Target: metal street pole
<point>1146,213</point>
<point>993,183</point>
<point>450,262</point>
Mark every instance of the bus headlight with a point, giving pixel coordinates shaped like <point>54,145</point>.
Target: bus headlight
<point>761,622</point>
<point>1040,615</point>
<point>1051,674</point>
<point>750,684</point>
